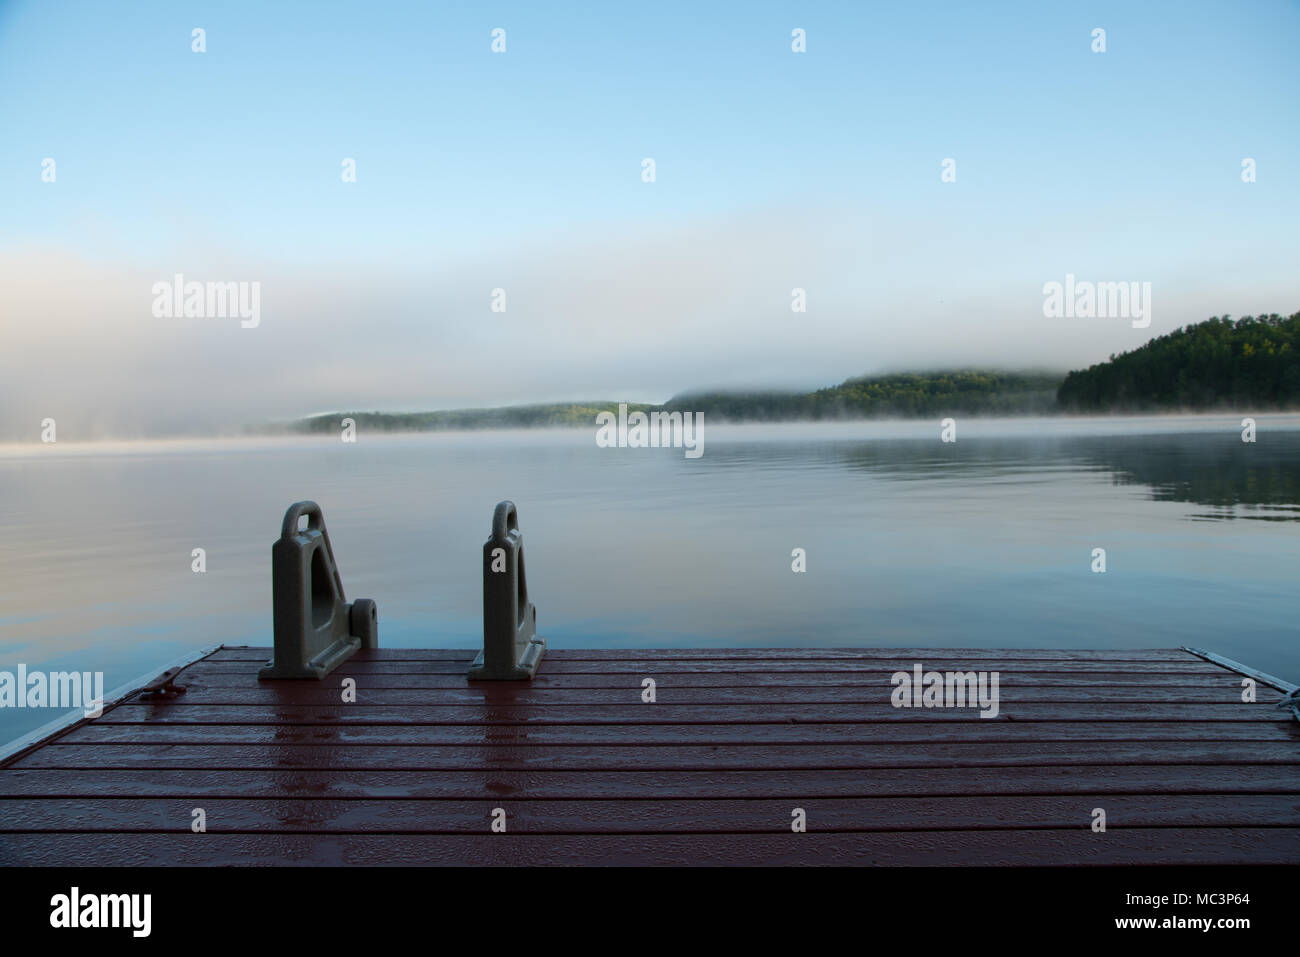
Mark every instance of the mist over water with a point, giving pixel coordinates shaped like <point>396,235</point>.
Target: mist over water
<point>983,543</point>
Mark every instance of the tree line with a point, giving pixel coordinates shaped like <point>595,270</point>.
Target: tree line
<point>1221,363</point>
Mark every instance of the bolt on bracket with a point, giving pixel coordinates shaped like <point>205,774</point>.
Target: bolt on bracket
<point>511,648</point>
<point>315,629</point>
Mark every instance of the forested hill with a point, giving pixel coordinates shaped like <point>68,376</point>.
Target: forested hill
<point>899,396</point>
<point>903,395</point>
<point>509,417</point>
<point>1249,363</point>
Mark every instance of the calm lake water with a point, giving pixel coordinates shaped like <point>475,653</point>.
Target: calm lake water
<point>983,543</point>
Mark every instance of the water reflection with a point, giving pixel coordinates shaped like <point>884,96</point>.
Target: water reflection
<point>1258,481</point>
<point>1237,480</point>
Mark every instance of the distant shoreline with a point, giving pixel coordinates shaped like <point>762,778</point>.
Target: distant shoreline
<point>972,426</point>
<point>1219,365</point>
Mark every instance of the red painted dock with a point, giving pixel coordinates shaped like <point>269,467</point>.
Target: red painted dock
<point>414,770</point>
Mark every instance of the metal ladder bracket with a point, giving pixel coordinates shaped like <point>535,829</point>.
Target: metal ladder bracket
<point>316,630</point>
<point>512,649</point>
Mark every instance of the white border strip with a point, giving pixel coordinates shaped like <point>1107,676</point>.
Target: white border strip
<point>75,717</point>
<point>1272,681</point>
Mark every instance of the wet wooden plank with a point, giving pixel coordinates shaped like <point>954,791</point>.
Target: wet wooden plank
<point>224,675</point>
<point>246,653</point>
<point>669,713</point>
<point>531,784</point>
<point>695,816</point>
<point>886,666</point>
<point>679,734</point>
<point>667,693</point>
<point>1078,847</point>
<point>510,755</point>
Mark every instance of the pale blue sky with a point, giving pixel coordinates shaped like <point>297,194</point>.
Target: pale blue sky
<point>522,170</point>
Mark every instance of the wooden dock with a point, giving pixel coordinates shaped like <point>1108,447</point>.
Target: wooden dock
<point>586,772</point>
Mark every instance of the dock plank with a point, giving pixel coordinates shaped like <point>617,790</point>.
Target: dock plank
<point>638,815</point>
<point>534,784</point>
<point>1133,847</point>
<point>245,653</point>
<point>222,675</point>
<point>494,712</point>
<point>643,666</point>
<point>677,734</point>
<point>514,756</point>
<point>666,693</point>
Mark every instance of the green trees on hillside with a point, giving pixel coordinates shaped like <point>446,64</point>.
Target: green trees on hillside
<point>903,395</point>
<point>927,394</point>
<point>1219,363</point>
<point>510,417</point>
